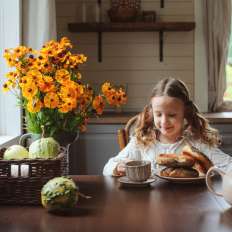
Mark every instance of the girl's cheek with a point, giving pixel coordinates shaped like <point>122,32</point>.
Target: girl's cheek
<point>156,121</point>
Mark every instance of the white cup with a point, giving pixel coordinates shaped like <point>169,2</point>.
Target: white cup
<point>138,170</point>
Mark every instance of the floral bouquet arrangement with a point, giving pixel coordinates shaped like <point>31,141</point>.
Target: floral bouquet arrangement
<point>52,92</point>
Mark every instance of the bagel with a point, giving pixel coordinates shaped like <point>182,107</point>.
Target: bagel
<point>174,160</point>
<point>203,163</point>
<point>179,172</point>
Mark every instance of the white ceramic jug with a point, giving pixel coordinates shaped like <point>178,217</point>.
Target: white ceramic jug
<point>226,183</point>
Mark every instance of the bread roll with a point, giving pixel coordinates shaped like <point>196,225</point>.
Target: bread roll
<point>179,172</point>
<point>203,163</point>
<point>174,160</point>
<point>200,168</point>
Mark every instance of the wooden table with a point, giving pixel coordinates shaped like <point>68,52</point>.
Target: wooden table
<point>162,207</point>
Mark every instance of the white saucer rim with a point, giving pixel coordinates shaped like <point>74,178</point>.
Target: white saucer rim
<point>127,181</point>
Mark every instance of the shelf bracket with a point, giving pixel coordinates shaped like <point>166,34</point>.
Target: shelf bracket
<point>161,45</point>
<point>161,3</point>
<point>100,32</point>
<point>100,46</point>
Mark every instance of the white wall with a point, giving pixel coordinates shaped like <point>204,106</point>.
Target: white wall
<point>10,123</point>
<point>132,59</point>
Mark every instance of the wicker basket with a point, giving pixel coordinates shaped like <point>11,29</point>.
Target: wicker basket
<point>123,14</point>
<point>136,4</point>
<point>25,190</point>
<point>124,10</point>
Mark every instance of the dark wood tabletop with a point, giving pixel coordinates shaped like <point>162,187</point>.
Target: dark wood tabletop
<point>160,207</point>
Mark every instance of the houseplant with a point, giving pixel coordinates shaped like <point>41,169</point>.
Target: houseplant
<point>52,91</point>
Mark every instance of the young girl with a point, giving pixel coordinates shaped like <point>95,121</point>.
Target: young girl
<point>167,123</point>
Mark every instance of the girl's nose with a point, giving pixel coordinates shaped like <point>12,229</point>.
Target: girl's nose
<point>164,120</point>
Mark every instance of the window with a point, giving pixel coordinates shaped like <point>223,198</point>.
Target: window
<point>10,31</point>
<point>228,92</point>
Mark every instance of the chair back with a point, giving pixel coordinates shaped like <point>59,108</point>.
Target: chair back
<point>124,133</point>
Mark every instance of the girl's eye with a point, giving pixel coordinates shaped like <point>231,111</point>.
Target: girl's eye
<point>172,115</point>
<point>158,114</point>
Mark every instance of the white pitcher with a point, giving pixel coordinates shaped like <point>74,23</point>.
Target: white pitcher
<point>226,183</point>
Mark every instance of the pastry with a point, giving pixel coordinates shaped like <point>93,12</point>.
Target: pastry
<point>174,160</point>
<point>203,163</point>
<point>179,172</point>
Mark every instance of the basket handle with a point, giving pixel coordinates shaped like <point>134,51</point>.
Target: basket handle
<point>23,139</point>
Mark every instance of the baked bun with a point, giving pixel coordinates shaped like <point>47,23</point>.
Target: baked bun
<point>200,168</point>
<point>174,160</point>
<point>179,172</point>
<point>203,163</point>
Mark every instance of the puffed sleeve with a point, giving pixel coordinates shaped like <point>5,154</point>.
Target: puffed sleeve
<point>126,153</point>
<point>217,156</point>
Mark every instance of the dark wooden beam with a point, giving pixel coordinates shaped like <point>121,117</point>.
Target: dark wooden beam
<point>130,27</point>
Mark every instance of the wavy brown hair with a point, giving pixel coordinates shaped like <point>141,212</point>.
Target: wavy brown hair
<point>197,125</point>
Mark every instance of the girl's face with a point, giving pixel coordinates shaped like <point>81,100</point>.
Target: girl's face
<point>168,115</point>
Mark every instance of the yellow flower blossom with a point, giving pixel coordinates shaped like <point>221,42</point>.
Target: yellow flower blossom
<point>29,90</point>
<point>68,92</point>
<point>67,106</point>
<point>62,75</point>
<point>34,105</point>
<point>65,42</point>
<point>51,100</point>
<point>47,84</point>
<point>52,91</point>
<point>23,81</point>
<point>98,104</point>
<point>6,86</point>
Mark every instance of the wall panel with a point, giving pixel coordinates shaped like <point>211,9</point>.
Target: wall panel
<point>131,59</point>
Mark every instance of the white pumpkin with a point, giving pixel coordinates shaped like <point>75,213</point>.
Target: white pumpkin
<point>44,148</point>
<point>17,152</point>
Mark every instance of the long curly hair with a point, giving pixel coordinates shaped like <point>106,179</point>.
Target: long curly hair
<point>197,125</point>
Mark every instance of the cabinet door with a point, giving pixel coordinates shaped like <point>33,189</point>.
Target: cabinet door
<point>93,149</point>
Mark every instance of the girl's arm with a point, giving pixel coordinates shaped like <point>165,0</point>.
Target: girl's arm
<point>123,156</point>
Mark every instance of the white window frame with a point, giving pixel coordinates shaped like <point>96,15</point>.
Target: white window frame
<point>10,31</point>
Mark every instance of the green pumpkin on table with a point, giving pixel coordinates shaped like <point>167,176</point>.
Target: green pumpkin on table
<point>60,194</point>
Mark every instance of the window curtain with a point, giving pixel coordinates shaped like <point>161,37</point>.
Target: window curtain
<point>217,22</point>
<point>39,22</point>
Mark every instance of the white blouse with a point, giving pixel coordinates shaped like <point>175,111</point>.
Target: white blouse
<point>135,152</point>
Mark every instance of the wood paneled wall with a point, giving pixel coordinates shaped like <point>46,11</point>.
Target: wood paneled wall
<point>131,59</point>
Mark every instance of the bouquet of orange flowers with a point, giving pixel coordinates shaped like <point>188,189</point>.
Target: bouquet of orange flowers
<point>51,88</point>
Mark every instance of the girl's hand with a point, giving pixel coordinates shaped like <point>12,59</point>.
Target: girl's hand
<point>120,169</point>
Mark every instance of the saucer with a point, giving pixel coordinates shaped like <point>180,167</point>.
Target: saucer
<point>124,180</point>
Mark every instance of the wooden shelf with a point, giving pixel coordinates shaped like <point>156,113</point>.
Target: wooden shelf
<point>161,27</point>
<point>131,27</point>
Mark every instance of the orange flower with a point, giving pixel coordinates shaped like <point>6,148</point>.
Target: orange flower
<point>62,75</point>
<point>34,105</point>
<point>53,93</point>
<point>29,90</point>
<point>98,104</point>
<point>51,100</point>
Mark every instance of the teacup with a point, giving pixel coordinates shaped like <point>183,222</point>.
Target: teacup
<point>138,170</point>
<point>226,183</point>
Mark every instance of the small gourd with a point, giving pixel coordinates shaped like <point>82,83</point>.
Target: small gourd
<point>59,193</point>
